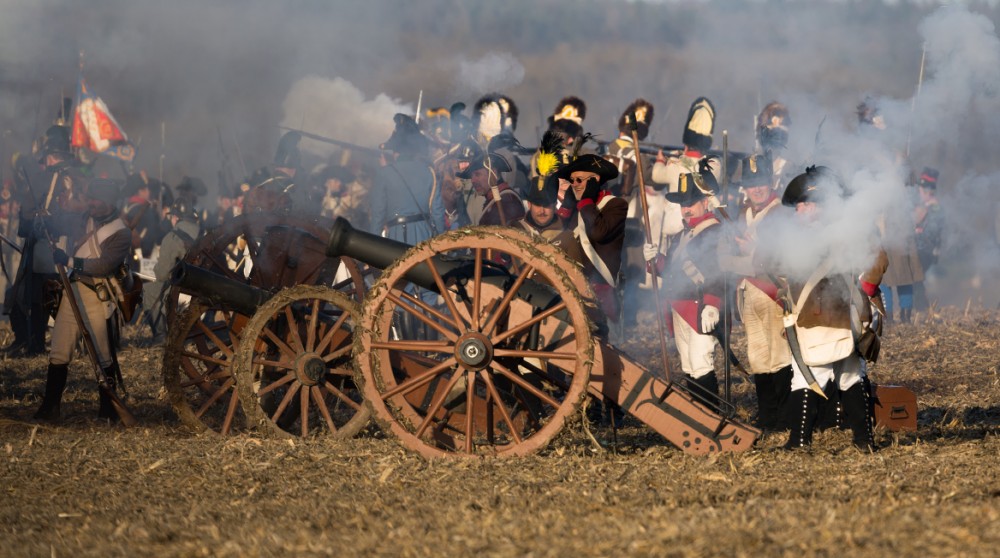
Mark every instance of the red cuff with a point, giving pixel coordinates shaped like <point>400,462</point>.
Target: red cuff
<point>584,203</point>
<point>869,288</point>
<point>564,212</point>
<point>712,300</point>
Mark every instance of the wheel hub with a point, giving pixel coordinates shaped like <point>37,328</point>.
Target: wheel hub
<point>310,369</point>
<point>474,351</point>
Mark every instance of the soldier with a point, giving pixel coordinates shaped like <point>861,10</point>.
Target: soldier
<point>621,152</point>
<point>822,324</point>
<point>772,135</point>
<point>541,220</point>
<point>495,120</point>
<point>184,231</point>
<point>141,213</point>
<point>595,231</point>
<point>274,187</point>
<point>502,206</point>
<point>768,357</point>
<point>668,168</point>
<point>405,199</point>
<point>343,196</point>
<point>929,229</point>
<point>566,124</point>
<point>100,250</point>
<point>904,261</point>
<point>694,282</point>
<point>49,188</point>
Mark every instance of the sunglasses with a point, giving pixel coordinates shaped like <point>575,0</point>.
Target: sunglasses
<point>579,180</point>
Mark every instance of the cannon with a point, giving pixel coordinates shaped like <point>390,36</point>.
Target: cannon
<point>473,343</point>
<point>264,252</point>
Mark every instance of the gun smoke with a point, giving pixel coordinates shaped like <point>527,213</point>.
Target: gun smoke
<point>342,68</point>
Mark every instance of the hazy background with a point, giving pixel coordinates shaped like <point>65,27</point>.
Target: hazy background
<point>241,68</point>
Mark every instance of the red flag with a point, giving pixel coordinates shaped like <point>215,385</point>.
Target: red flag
<point>96,129</point>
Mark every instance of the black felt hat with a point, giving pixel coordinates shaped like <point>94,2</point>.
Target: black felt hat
<point>496,162</point>
<point>691,188</point>
<point>588,162</point>
<point>106,190</point>
<point>755,170</point>
<point>544,191</point>
<point>815,185</point>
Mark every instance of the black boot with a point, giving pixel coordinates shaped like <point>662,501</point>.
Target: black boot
<point>55,383</point>
<point>767,415</point>
<point>803,410</point>
<point>782,385</point>
<point>831,410</point>
<point>706,388</point>
<point>859,416</point>
<point>107,408</point>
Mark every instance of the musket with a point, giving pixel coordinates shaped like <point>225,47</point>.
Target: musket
<point>726,323</point>
<point>420,101</point>
<point>634,127</point>
<point>653,149</point>
<point>331,141</point>
<point>10,243</point>
<point>126,416</point>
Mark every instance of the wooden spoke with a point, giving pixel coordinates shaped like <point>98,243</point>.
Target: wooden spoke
<point>505,302</point>
<point>215,396</point>
<point>525,325</point>
<point>282,346</point>
<point>276,384</point>
<point>458,319</point>
<point>341,396</point>
<point>224,347</point>
<point>469,408</point>
<point>293,329</point>
<point>544,355</point>
<point>436,404</point>
<point>289,395</point>
<point>227,423</point>
<point>421,305</point>
<point>417,346</point>
<point>317,397</point>
<point>477,285</point>
<point>311,329</point>
<point>517,379</point>
<point>498,403</point>
<point>419,380</point>
<point>328,336</point>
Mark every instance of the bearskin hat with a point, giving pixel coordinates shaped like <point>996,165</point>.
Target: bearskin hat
<point>700,124</point>
<point>461,126</point>
<point>568,116</point>
<point>510,112</point>
<point>488,116</point>
<point>643,111</point>
<point>436,123</point>
<point>287,154</point>
<point>772,126</point>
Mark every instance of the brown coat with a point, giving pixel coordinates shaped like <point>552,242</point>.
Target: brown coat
<point>829,303</point>
<point>605,228</point>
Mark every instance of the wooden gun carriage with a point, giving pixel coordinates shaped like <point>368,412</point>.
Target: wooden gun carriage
<point>477,342</point>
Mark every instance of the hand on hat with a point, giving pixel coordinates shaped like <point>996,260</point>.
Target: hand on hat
<point>592,190</point>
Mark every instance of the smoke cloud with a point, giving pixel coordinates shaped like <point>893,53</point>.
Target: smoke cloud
<point>339,110</point>
<point>494,71</point>
<point>240,68</point>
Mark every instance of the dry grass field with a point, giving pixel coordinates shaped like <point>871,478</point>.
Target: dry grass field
<point>83,488</point>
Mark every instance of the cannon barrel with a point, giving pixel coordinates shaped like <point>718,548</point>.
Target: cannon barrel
<point>378,252</point>
<point>219,290</point>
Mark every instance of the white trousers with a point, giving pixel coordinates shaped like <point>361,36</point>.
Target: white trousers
<point>65,332</point>
<point>697,350</point>
<point>846,372</point>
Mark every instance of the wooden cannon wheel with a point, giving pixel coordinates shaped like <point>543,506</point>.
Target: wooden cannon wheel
<point>293,369</point>
<point>462,374</point>
<point>285,249</point>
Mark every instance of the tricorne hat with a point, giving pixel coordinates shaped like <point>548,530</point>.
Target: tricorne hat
<point>588,162</point>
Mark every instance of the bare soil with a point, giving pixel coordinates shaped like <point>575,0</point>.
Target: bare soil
<point>85,488</point>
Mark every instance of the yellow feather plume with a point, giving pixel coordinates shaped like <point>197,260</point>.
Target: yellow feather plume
<point>546,162</point>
